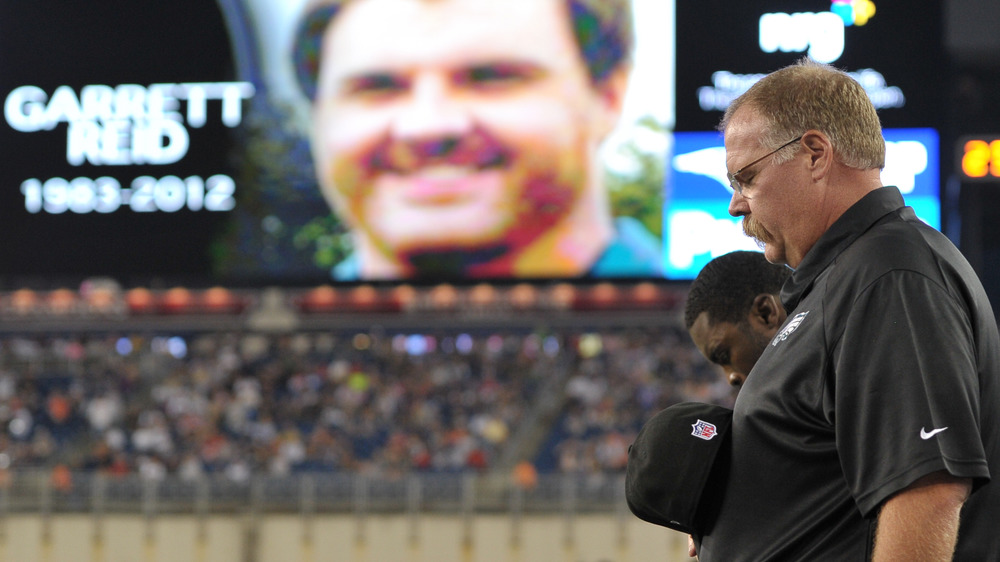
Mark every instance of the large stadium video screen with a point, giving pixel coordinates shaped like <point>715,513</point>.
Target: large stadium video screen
<point>892,48</point>
<point>251,142</point>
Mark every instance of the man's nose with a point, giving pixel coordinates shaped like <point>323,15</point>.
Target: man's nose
<point>433,111</point>
<point>738,205</point>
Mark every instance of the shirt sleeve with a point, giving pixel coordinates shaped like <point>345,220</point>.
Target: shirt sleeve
<point>906,388</point>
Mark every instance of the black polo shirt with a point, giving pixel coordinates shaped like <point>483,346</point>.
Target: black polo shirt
<point>887,369</point>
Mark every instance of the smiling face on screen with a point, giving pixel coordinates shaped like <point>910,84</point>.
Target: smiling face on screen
<point>470,143</point>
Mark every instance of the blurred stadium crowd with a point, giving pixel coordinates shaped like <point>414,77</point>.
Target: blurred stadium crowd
<point>373,402</point>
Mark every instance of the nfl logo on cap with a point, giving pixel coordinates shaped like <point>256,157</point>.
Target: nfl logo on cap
<point>676,481</point>
<point>703,430</point>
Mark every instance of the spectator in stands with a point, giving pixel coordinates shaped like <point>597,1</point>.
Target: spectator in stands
<point>331,407</point>
<point>525,475</point>
<point>733,310</point>
<point>467,145</point>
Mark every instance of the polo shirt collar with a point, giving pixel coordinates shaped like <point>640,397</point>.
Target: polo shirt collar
<point>853,223</point>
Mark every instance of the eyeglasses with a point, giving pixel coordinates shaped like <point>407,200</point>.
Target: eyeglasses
<point>734,181</point>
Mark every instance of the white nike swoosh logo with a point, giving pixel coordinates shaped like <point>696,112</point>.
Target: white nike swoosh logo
<point>928,434</point>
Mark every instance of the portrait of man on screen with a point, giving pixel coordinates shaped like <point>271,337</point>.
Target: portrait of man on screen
<point>460,138</point>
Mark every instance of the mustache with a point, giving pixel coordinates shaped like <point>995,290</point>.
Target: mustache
<point>754,230</point>
<point>476,149</point>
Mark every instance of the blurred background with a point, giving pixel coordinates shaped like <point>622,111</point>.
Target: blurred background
<point>182,379</point>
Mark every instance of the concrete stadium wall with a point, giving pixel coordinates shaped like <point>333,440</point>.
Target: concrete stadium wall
<point>375,538</point>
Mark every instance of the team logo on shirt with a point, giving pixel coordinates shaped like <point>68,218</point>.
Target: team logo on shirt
<point>791,327</point>
<point>704,430</point>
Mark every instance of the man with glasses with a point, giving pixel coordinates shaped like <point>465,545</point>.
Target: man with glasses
<point>734,177</point>
<point>869,428</point>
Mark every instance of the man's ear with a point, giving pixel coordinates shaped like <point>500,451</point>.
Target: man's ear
<point>820,150</point>
<point>767,311</point>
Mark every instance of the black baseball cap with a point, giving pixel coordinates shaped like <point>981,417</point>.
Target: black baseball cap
<point>677,467</point>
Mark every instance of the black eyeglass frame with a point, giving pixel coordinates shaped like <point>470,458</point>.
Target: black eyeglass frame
<point>734,181</point>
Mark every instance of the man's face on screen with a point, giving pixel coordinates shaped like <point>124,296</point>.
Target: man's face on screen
<point>456,126</point>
